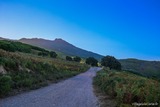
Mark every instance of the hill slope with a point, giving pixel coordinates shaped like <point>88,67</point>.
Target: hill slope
<point>24,67</point>
<point>146,68</point>
<point>61,46</point>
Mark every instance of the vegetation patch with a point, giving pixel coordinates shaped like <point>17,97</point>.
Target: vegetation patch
<point>20,70</point>
<point>128,88</point>
<point>145,68</point>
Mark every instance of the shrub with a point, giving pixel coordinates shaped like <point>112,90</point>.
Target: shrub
<point>5,84</point>
<point>27,82</point>
<point>91,61</point>
<point>111,62</point>
<point>77,59</point>
<point>53,54</point>
<point>68,58</point>
<point>9,64</point>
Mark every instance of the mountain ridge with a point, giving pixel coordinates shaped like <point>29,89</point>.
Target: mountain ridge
<point>60,45</point>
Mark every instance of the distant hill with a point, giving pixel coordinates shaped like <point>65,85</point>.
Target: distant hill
<point>61,46</point>
<point>3,38</point>
<point>146,68</point>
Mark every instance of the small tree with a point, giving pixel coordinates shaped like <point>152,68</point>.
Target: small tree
<point>111,62</point>
<point>77,59</point>
<point>53,54</point>
<point>91,61</point>
<point>68,58</point>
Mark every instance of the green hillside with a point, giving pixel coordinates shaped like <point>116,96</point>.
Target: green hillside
<point>22,67</point>
<point>145,68</point>
<point>13,46</point>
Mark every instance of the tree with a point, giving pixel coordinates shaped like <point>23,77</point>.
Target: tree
<point>77,59</point>
<point>111,62</point>
<point>68,58</point>
<point>53,54</point>
<point>91,61</point>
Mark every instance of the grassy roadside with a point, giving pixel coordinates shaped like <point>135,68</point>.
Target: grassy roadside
<point>23,71</point>
<point>127,88</point>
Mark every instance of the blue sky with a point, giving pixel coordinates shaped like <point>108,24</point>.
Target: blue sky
<point>122,28</point>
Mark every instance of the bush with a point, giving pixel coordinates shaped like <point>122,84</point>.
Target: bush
<point>68,58</point>
<point>77,59</point>
<point>27,82</point>
<point>111,62</point>
<point>5,85</point>
<point>9,64</point>
<point>91,61</point>
<point>53,54</point>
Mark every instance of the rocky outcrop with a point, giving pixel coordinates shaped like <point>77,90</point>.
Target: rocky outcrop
<point>2,70</point>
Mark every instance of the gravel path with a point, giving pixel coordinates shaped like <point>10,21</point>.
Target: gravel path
<point>74,92</point>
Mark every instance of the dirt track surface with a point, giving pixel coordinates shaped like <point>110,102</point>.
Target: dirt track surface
<point>74,92</point>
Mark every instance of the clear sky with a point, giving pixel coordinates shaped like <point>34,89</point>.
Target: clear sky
<point>122,28</point>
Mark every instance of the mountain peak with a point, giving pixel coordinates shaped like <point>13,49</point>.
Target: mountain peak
<point>61,41</point>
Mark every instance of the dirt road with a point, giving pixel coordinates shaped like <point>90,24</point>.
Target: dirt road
<point>73,92</point>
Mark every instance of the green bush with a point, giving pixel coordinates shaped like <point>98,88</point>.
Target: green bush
<point>27,82</point>
<point>111,62</point>
<point>5,84</point>
<point>9,64</point>
<point>53,54</point>
<point>77,59</point>
<point>92,61</point>
<point>12,65</point>
<point>68,58</point>
<point>2,61</point>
